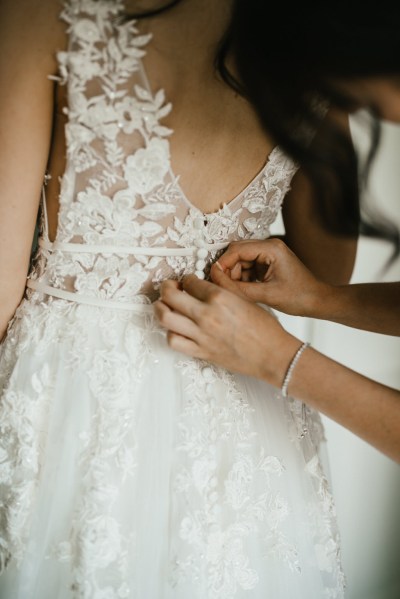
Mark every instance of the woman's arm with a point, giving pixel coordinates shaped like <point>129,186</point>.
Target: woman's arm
<point>30,31</point>
<point>214,324</point>
<point>284,283</point>
<point>369,306</point>
<point>328,255</point>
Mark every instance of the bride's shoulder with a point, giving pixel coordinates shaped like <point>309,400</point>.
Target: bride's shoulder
<point>32,30</point>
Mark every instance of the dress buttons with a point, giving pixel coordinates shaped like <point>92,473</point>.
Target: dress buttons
<point>200,264</point>
<point>207,373</point>
<point>202,253</point>
<point>198,223</point>
<point>199,242</point>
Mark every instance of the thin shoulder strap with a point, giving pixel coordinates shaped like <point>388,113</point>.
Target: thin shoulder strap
<point>43,203</point>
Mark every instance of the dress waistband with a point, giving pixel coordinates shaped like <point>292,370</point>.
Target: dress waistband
<point>199,251</point>
<point>79,298</point>
<point>83,248</point>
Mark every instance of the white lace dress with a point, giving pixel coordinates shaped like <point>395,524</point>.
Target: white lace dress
<point>126,469</point>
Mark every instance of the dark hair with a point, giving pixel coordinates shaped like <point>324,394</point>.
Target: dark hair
<point>153,12</point>
<point>286,65</point>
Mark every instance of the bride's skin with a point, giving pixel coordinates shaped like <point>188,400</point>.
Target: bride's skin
<point>217,146</point>
<point>221,322</point>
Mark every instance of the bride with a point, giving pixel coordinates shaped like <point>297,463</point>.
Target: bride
<point>127,470</point>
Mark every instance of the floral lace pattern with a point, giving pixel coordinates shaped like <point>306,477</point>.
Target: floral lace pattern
<point>225,485</point>
<point>96,543</point>
<point>118,188</point>
<point>229,491</point>
<point>221,517</point>
<point>22,416</point>
<point>98,548</point>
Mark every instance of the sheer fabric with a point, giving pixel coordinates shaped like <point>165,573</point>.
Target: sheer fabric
<point>126,470</point>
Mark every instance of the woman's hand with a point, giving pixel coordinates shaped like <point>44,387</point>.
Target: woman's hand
<point>214,324</point>
<point>268,272</point>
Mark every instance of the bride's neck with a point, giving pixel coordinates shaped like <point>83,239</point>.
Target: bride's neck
<point>189,32</point>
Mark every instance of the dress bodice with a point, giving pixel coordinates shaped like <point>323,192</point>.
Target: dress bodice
<point>124,223</point>
<point>128,470</point>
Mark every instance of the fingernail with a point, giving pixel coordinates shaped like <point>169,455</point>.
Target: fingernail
<point>218,265</point>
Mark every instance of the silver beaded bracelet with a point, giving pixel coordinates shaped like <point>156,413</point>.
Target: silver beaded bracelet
<point>291,367</point>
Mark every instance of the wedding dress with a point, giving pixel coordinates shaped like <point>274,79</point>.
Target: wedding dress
<point>128,470</point>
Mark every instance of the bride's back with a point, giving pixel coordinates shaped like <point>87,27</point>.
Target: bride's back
<point>217,145</point>
<point>135,207</point>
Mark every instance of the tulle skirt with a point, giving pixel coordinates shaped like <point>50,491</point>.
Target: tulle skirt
<point>130,471</point>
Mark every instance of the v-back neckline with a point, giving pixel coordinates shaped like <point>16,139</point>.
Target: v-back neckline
<point>175,177</point>
<point>229,203</point>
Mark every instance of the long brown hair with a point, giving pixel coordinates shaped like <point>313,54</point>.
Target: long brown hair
<point>286,62</point>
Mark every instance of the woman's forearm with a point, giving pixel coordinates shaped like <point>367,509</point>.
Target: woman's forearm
<point>368,306</point>
<point>365,407</point>
<point>217,325</point>
<point>284,283</point>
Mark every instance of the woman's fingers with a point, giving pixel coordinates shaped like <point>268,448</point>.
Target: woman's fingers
<point>250,253</point>
<point>182,325</point>
<point>184,345</point>
<point>181,331</point>
<point>228,331</point>
<point>199,289</point>
<point>249,291</point>
<point>243,271</point>
<point>171,294</point>
<point>191,297</point>
<point>243,252</point>
<point>220,278</point>
<point>236,272</point>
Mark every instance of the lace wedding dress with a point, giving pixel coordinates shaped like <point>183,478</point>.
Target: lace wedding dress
<point>126,469</point>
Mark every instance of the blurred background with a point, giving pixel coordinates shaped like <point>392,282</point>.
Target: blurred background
<point>366,484</point>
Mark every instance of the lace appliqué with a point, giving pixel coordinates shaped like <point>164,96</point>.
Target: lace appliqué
<point>327,541</point>
<point>23,418</point>
<point>215,486</point>
<point>96,542</point>
<point>118,188</point>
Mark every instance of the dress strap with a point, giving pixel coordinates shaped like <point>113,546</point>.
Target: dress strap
<point>45,219</point>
